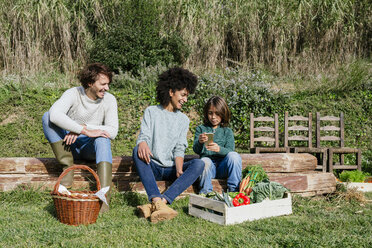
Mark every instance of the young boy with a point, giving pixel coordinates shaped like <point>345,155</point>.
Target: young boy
<point>159,154</point>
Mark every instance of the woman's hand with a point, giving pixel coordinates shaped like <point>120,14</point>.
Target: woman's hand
<point>214,147</point>
<point>144,152</point>
<point>203,138</point>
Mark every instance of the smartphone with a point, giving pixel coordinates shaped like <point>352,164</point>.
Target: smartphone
<point>210,138</point>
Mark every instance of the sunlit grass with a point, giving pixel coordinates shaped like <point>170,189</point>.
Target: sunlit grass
<point>27,219</point>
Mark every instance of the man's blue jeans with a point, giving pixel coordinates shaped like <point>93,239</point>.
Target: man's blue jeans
<point>229,167</point>
<point>150,173</point>
<point>84,148</point>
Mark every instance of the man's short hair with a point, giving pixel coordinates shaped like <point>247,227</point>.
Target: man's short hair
<point>174,79</point>
<point>90,73</point>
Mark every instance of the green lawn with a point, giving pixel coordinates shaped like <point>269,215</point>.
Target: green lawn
<point>27,219</point>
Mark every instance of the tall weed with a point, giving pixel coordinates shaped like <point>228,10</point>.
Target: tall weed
<point>284,36</point>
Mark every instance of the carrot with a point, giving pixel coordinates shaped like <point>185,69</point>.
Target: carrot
<point>243,184</point>
<point>248,191</point>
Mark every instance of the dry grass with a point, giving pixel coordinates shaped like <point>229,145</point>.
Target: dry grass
<point>283,36</point>
<point>348,194</point>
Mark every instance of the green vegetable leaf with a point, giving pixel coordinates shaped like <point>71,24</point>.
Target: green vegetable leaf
<point>268,190</point>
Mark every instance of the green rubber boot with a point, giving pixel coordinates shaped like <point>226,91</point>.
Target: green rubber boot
<point>64,158</point>
<point>104,171</point>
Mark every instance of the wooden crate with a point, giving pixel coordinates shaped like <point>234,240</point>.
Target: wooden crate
<point>200,207</point>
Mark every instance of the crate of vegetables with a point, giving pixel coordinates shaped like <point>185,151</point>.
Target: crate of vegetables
<point>258,198</point>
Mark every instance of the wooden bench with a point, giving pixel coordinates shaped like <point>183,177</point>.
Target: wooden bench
<point>295,171</point>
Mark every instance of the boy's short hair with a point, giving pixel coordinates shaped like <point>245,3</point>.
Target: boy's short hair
<point>174,79</point>
<point>90,73</point>
<point>223,110</point>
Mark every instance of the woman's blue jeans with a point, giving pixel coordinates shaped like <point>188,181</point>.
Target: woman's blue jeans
<point>229,167</point>
<point>84,147</point>
<point>150,173</point>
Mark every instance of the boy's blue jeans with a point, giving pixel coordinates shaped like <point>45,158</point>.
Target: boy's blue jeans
<point>84,147</point>
<point>150,173</point>
<point>229,167</point>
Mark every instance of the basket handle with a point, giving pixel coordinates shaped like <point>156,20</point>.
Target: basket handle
<point>74,167</point>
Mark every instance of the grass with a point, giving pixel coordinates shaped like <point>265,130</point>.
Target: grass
<point>27,219</point>
<point>284,35</point>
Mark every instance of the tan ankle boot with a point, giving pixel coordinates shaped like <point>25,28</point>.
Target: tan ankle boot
<point>162,212</point>
<point>144,211</point>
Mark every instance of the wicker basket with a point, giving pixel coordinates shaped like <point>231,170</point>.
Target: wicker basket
<point>76,209</point>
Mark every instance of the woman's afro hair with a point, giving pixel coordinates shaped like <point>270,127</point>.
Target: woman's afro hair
<point>174,79</point>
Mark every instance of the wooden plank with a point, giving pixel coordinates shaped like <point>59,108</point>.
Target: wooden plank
<point>305,181</point>
<point>276,124</point>
<point>4,178</point>
<point>298,138</point>
<point>329,118</point>
<point>219,185</point>
<point>251,131</point>
<point>264,129</point>
<point>271,149</point>
<point>264,139</point>
<point>329,138</point>
<point>210,204</point>
<point>212,217</point>
<point>342,134</point>
<point>24,165</point>
<point>329,128</point>
<point>281,162</point>
<point>298,128</point>
<point>286,129</point>
<point>345,167</point>
<point>310,132</point>
<point>345,150</point>
<point>317,130</point>
<point>296,182</point>
<point>124,165</point>
<point>263,118</point>
<point>298,118</point>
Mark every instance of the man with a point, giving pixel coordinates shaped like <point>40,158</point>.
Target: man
<point>161,144</point>
<point>82,123</point>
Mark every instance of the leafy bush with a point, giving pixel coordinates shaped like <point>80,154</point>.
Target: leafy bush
<point>353,176</point>
<point>26,98</point>
<point>133,40</point>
